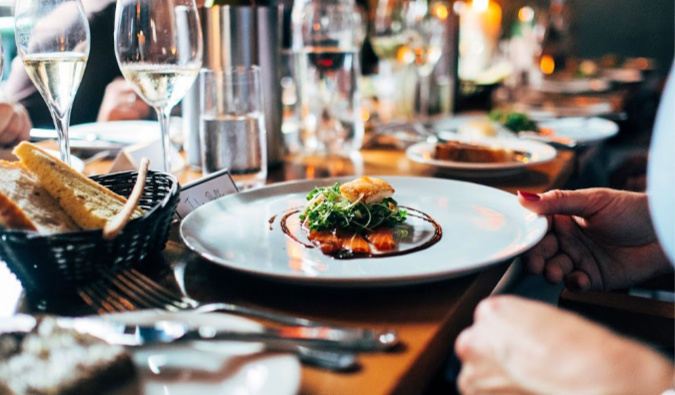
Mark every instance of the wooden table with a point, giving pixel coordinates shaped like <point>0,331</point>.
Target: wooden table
<point>427,317</point>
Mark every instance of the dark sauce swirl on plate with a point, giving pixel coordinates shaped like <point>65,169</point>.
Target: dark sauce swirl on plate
<point>416,239</point>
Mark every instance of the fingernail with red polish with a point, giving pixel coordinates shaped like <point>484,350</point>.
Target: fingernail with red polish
<point>532,197</point>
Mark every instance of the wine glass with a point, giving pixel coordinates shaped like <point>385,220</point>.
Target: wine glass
<point>52,38</point>
<point>426,25</point>
<point>410,32</point>
<point>158,45</point>
<point>326,37</point>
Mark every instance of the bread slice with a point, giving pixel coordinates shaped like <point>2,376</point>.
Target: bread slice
<point>89,204</point>
<point>26,205</point>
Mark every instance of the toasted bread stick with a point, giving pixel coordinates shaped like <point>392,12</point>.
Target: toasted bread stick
<point>115,225</point>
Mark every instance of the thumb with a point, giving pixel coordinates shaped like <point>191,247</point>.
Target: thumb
<point>581,203</point>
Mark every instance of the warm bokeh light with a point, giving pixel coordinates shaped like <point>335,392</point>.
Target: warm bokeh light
<point>458,7</point>
<point>526,14</point>
<point>547,64</point>
<point>440,10</point>
<point>480,5</point>
<point>365,114</point>
<point>405,55</point>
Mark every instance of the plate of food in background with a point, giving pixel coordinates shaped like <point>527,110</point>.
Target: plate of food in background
<point>481,157</point>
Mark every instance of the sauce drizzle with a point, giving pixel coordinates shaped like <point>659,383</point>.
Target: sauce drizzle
<point>438,233</point>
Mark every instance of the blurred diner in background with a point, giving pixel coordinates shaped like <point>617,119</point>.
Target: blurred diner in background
<point>519,138</point>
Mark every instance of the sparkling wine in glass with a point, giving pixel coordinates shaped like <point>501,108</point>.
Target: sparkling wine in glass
<point>158,45</point>
<point>52,38</point>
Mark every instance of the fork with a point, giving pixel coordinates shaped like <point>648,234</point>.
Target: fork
<point>131,289</point>
<point>138,290</point>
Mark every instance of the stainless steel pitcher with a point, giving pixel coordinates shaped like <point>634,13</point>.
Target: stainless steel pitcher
<point>240,36</point>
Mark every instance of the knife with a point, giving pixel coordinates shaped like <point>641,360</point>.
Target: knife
<point>164,332</point>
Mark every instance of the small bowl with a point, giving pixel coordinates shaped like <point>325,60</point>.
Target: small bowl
<point>57,264</point>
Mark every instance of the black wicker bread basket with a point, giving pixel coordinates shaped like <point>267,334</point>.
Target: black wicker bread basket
<point>58,263</point>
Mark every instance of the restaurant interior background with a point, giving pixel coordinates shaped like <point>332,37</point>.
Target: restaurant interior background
<point>609,33</point>
<point>633,35</point>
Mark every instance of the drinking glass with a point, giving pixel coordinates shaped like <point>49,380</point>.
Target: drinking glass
<point>325,44</point>
<point>410,32</point>
<point>158,45</point>
<point>426,22</point>
<point>52,38</point>
<point>232,125</point>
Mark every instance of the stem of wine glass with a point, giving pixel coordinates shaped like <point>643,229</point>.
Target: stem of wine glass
<point>62,122</point>
<point>425,91</point>
<point>164,116</point>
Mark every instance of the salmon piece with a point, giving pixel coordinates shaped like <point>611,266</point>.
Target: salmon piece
<point>382,239</point>
<point>353,242</point>
<point>369,189</point>
<point>327,242</point>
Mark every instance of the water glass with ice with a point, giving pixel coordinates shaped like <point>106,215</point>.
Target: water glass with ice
<point>232,125</point>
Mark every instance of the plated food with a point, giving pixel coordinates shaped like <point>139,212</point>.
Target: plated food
<point>480,226</point>
<point>41,193</point>
<point>356,218</point>
<point>481,157</point>
<point>458,151</point>
<point>44,358</point>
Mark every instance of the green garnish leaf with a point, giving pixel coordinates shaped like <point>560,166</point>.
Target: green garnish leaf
<point>328,209</point>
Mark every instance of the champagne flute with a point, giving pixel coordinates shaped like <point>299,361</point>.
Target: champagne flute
<point>52,38</point>
<point>158,45</point>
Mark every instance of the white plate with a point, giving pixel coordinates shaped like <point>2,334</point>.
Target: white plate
<point>205,368</point>
<point>481,226</point>
<point>539,153</point>
<point>582,130</point>
<point>126,132</point>
<point>75,162</point>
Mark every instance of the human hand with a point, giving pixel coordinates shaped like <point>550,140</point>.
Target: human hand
<point>121,102</point>
<point>517,346</point>
<point>598,238</point>
<point>15,124</point>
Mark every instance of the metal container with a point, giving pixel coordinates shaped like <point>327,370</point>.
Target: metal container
<point>240,36</point>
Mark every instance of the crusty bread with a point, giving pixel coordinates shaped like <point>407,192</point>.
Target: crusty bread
<point>89,204</point>
<point>25,205</point>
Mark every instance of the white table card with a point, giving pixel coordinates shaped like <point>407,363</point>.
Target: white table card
<point>204,190</point>
<point>130,157</point>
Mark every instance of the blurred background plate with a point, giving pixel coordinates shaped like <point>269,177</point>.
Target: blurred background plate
<point>538,153</point>
<point>582,130</point>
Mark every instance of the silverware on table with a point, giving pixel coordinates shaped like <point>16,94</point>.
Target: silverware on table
<point>117,332</point>
<point>131,290</point>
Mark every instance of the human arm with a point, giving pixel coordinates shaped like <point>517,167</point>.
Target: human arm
<point>121,102</point>
<point>598,238</point>
<point>517,346</point>
<point>15,124</point>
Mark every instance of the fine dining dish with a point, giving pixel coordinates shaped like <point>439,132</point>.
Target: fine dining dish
<point>481,226</point>
<point>521,153</point>
<point>359,218</point>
